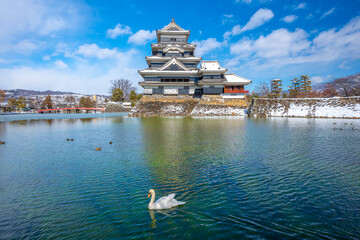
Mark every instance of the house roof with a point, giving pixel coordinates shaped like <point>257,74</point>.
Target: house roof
<point>172,26</point>
<point>211,66</point>
<point>173,61</point>
<point>232,78</point>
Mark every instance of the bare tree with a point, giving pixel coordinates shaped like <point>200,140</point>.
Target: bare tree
<point>263,89</point>
<point>70,100</point>
<point>124,84</point>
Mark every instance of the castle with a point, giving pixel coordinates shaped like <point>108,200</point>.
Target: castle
<point>173,69</point>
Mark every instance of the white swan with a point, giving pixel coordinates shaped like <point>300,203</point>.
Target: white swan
<point>164,202</point>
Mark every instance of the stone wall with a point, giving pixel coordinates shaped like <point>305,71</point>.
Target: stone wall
<point>158,105</point>
<point>114,107</point>
<point>215,105</point>
<point>208,105</point>
<point>348,107</point>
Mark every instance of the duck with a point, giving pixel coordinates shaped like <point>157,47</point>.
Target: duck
<point>165,202</point>
<point>98,149</point>
<point>2,142</point>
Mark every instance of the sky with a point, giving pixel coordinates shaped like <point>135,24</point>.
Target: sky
<point>80,46</point>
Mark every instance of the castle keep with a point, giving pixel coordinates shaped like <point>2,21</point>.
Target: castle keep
<point>173,69</point>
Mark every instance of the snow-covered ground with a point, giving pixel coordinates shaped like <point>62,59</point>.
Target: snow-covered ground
<point>213,110</point>
<point>319,107</point>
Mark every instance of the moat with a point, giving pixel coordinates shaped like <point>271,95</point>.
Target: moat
<point>240,177</point>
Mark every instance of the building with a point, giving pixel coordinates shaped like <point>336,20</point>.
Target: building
<point>173,69</point>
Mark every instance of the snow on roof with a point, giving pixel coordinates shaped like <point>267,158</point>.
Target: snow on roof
<point>233,78</point>
<point>210,65</point>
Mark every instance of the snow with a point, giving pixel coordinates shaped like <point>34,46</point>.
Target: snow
<point>217,111</point>
<point>323,108</point>
<point>233,78</point>
<point>211,65</point>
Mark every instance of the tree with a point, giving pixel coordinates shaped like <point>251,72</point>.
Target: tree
<point>124,84</point>
<point>2,96</point>
<point>20,103</point>
<point>263,89</point>
<point>329,91</point>
<point>134,97</point>
<point>284,95</point>
<point>294,89</point>
<point>47,103</point>
<point>117,95</point>
<point>12,102</point>
<point>86,102</point>
<point>70,100</point>
<point>305,84</point>
<point>276,87</point>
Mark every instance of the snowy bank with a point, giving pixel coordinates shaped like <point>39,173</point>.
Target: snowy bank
<point>344,107</point>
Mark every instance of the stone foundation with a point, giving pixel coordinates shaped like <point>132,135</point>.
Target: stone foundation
<point>346,107</point>
<point>159,105</point>
<point>208,105</point>
<point>215,105</point>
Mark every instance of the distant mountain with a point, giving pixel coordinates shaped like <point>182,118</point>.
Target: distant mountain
<point>26,93</point>
<point>347,86</point>
<point>16,93</point>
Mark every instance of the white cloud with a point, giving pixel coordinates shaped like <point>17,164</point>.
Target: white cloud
<point>320,79</point>
<point>310,16</point>
<point>300,6</point>
<point>52,25</point>
<point>328,13</point>
<point>205,46</point>
<point>242,47</point>
<point>46,58</point>
<point>117,31</point>
<point>227,18</point>
<point>343,66</point>
<point>281,43</point>
<point>24,19</point>
<point>37,17</point>
<point>60,64</point>
<point>289,18</point>
<point>262,16</point>
<point>141,37</point>
<point>83,76</point>
<point>228,15</point>
<point>283,48</point>
<point>25,46</point>
<point>245,1</point>
<point>93,50</point>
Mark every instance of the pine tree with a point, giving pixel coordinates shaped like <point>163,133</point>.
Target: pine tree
<point>276,88</point>
<point>134,97</point>
<point>305,84</point>
<point>117,95</point>
<point>294,89</point>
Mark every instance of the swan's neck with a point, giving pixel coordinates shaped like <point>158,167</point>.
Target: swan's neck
<point>152,199</point>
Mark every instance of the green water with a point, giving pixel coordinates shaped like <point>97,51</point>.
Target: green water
<point>240,178</point>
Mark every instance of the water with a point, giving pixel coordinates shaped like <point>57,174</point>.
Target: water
<point>241,178</point>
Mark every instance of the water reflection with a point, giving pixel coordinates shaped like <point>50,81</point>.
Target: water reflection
<point>20,122</point>
<point>153,219</point>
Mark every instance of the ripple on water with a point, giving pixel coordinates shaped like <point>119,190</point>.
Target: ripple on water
<point>274,178</point>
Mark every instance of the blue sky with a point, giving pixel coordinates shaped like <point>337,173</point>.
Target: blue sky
<point>81,45</point>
